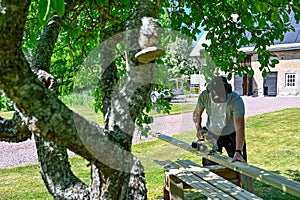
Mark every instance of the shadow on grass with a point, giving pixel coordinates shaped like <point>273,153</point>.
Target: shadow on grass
<point>295,174</point>
<point>190,194</point>
<point>270,193</point>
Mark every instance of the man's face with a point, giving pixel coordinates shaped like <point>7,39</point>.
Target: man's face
<point>217,90</point>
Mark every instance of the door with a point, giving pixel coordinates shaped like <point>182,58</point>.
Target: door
<point>243,85</point>
<point>238,84</point>
<point>250,86</point>
<point>270,84</point>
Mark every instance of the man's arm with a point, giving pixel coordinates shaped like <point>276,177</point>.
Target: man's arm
<point>239,125</point>
<point>197,118</point>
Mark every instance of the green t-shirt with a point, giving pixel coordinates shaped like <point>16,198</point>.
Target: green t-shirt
<point>220,119</point>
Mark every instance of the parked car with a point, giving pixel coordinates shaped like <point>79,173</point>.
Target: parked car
<point>177,92</point>
<point>155,95</point>
<point>167,93</point>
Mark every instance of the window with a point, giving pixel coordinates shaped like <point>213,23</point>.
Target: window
<point>290,79</point>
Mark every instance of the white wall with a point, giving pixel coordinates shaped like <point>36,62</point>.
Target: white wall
<point>288,63</point>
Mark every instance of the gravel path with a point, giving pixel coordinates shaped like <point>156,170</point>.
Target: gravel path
<point>17,154</point>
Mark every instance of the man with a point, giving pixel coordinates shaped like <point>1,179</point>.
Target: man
<point>225,110</point>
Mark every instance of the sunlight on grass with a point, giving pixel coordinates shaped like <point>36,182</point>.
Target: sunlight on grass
<point>89,113</point>
<point>176,109</point>
<point>7,115</point>
<point>273,140</point>
<point>25,182</point>
<point>272,143</point>
<point>22,183</point>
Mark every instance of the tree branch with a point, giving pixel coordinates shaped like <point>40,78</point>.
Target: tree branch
<point>53,159</point>
<point>49,116</point>
<point>13,130</point>
<point>56,171</point>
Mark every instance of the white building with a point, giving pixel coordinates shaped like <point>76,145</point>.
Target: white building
<point>284,79</point>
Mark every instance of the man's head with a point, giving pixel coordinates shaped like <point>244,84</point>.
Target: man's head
<point>218,87</point>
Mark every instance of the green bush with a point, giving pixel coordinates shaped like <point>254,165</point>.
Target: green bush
<point>78,99</point>
<point>5,103</point>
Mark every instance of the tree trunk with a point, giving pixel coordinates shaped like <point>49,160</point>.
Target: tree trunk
<point>56,172</point>
<point>116,173</point>
<point>53,159</point>
<point>122,106</point>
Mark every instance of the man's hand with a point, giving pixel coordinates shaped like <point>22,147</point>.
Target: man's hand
<point>197,120</point>
<point>200,134</point>
<point>238,157</point>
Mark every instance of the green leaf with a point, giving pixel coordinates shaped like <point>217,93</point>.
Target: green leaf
<point>275,17</point>
<point>250,72</point>
<point>262,7</point>
<point>286,17</point>
<point>44,11</point>
<point>125,2</point>
<point>204,45</point>
<point>90,3</point>
<point>102,2</point>
<point>208,36</point>
<point>229,76</point>
<point>264,73</point>
<point>274,62</point>
<point>148,119</point>
<point>262,22</point>
<point>58,6</point>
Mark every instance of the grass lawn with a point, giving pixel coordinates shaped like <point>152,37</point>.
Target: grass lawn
<point>272,141</point>
<point>98,117</point>
<point>89,113</point>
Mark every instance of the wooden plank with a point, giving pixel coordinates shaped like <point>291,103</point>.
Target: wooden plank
<point>202,186</point>
<point>193,182</point>
<point>176,188</point>
<point>247,183</point>
<point>220,170</point>
<point>167,164</point>
<point>277,181</point>
<point>217,181</point>
<point>227,186</point>
<point>227,173</point>
<point>215,167</point>
<point>175,171</point>
<point>166,187</point>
